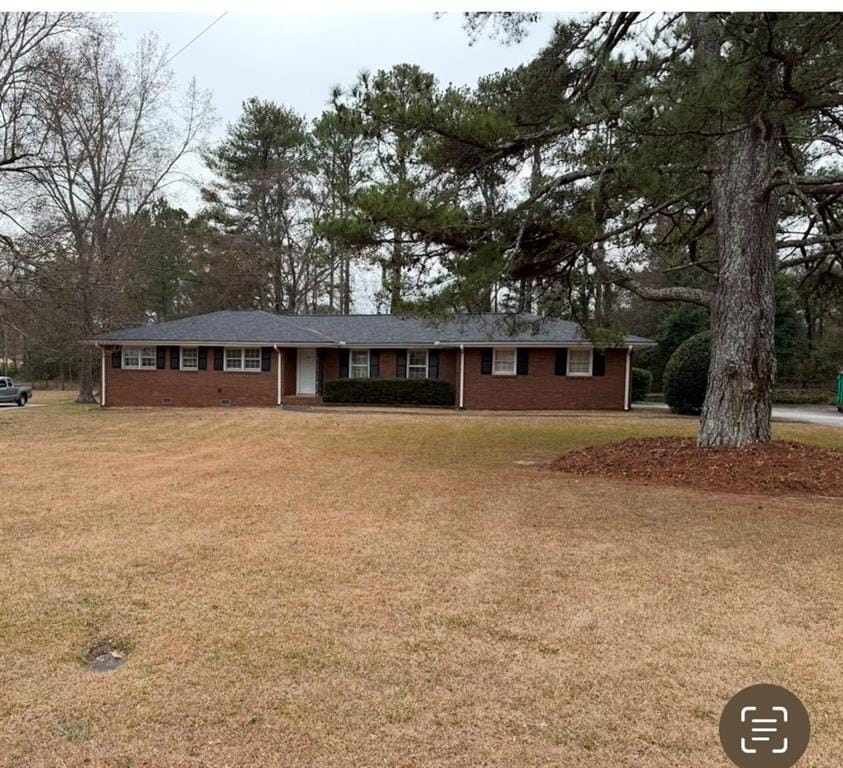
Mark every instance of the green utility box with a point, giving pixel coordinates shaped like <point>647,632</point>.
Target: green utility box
<point>840,391</point>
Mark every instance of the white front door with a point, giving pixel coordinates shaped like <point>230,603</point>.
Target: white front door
<point>306,379</point>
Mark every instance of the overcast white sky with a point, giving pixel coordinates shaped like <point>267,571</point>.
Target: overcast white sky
<point>296,58</point>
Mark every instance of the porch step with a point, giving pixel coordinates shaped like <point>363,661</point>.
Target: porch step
<point>301,400</point>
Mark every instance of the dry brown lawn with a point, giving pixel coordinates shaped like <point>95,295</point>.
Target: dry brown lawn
<point>343,589</point>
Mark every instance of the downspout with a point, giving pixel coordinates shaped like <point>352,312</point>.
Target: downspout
<point>102,379</point>
<point>278,366</point>
<point>462,377</point>
<point>626,401</point>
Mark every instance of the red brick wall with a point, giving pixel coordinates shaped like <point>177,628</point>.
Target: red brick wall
<point>541,389</point>
<point>189,388</point>
<point>388,362</point>
<point>330,364</point>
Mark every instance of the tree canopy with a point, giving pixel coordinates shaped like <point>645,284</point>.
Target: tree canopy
<point>705,145</point>
<point>647,172</point>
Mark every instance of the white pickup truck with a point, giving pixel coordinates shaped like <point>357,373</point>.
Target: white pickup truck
<point>10,393</point>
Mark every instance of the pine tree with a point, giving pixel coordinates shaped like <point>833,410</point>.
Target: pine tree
<point>710,139</point>
<point>392,107</point>
<point>263,196</point>
<point>341,160</point>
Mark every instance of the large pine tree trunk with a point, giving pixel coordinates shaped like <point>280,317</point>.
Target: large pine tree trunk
<point>740,379</point>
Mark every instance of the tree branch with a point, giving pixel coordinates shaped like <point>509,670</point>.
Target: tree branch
<point>807,241</point>
<point>667,293</point>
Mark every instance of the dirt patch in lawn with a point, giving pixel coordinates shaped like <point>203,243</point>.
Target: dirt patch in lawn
<point>105,657</point>
<point>772,469</point>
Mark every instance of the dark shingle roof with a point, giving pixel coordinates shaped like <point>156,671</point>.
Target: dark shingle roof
<point>257,327</point>
<point>252,326</point>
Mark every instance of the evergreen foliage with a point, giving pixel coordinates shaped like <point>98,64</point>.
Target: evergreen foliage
<point>682,158</point>
<point>389,391</point>
<point>686,375</point>
<point>642,382</point>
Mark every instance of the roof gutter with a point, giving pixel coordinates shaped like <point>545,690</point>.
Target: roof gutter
<point>363,344</point>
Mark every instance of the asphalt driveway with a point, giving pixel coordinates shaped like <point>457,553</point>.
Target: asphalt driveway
<point>822,415</point>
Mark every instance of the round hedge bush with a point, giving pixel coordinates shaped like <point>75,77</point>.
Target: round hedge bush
<point>642,381</point>
<point>686,374</point>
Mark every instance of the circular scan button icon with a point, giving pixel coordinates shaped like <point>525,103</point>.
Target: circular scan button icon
<point>764,726</point>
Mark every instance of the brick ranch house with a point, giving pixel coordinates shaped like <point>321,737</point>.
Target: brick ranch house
<point>251,358</point>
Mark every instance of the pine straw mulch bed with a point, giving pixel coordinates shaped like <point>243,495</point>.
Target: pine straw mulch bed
<point>771,469</point>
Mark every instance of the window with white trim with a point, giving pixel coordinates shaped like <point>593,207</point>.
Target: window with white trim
<point>358,364</point>
<point>189,359</point>
<point>242,359</point>
<point>417,364</point>
<point>140,358</point>
<point>504,361</point>
<point>580,362</point>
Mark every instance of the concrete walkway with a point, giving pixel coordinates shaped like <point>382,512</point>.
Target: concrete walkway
<point>822,415</point>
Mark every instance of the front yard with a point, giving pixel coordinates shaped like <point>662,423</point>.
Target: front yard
<point>347,589</point>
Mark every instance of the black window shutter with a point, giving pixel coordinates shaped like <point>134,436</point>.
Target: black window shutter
<point>160,357</point>
<point>522,363</point>
<point>374,364</point>
<point>203,358</point>
<point>175,358</point>
<point>320,370</point>
<point>116,359</point>
<point>598,365</point>
<point>486,362</point>
<point>401,364</point>
<point>433,364</point>
<point>266,359</point>
<point>218,358</point>
<point>560,367</point>
<point>344,354</point>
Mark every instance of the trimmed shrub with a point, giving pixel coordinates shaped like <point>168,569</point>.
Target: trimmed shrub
<point>389,391</point>
<point>686,374</point>
<point>642,381</point>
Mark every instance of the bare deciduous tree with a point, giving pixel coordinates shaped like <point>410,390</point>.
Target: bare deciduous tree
<point>22,38</point>
<point>111,140</point>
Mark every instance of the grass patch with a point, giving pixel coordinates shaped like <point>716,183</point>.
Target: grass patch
<point>341,589</point>
<point>75,731</point>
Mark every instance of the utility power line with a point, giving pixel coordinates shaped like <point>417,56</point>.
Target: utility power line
<point>191,42</point>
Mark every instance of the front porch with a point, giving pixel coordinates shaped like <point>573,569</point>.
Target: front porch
<point>303,371</point>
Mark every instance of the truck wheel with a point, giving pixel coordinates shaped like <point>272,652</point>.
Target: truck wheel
<point>22,399</point>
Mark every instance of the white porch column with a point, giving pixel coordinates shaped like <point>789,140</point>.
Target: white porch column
<point>627,404</point>
<point>102,378</point>
<point>278,365</point>
<point>462,377</point>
